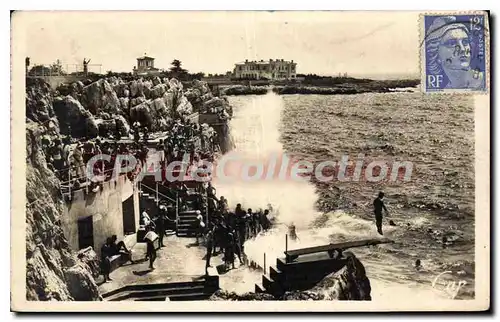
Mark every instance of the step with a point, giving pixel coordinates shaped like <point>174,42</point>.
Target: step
<point>275,273</point>
<point>259,288</point>
<point>152,298</point>
<point>186,230</point>
<point>187,225</point>
<point>281,264</point>
<point>157,286</point>
<point>158,292</point>
<point>190,297</point>
<point>271,286</point>
<point>183,221</point>
<point>187,216</point>
<point>185,235</point>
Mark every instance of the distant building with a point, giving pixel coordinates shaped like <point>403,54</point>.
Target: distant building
<point>272,69</point>
<point>145,66</point>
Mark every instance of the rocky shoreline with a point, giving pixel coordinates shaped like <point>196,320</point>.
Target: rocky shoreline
<point>368,86</point>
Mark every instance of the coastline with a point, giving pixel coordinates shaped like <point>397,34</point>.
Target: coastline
<point>322,87</point>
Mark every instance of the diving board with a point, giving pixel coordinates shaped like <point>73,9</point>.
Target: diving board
<point>291,255</point>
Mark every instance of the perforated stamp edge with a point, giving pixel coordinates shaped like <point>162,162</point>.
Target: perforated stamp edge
<point>421,51</point>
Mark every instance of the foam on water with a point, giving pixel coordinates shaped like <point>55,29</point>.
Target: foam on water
<point>255,130</point>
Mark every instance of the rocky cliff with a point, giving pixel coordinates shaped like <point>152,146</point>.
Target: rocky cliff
<point>53,272</point>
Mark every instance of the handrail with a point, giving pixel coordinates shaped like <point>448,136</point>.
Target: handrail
<point>264,263</point>
<point>85,177</point>
<point>158,193</point>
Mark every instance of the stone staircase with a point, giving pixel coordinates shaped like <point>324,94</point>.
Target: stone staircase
<point>186,224</point>
<point>298,275</point>
<point>176,291</point>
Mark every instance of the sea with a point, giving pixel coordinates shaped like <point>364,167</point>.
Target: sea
<point>431,212</point>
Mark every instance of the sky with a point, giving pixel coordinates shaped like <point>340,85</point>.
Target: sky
<point>320,42</point>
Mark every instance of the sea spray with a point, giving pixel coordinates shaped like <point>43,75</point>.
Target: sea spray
<point>255,129</point>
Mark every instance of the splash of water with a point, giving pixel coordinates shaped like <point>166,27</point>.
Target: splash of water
<point>255,130</point>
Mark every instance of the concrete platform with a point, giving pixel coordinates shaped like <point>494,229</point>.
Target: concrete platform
<point>179,261</point>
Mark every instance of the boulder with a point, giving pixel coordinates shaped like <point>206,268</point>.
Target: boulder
<point>169,98</point>
<point>137,100</point>
<point>121,89</point>
<point>214,103</point>
<point>122,126</point>
<point>100,96</point>
<point>174,83</point>
<point>158,91</point>
<point>184,108</point>
<point>38,100</point>
<point>135,87</point>
<point>207,97</point>
<point>156,80</point>
<point>72,117</point>
<point>81,284</point>
<point>141,113</point>
<point>124,103</point>
<point>201,86</point>
<point>159,109</point>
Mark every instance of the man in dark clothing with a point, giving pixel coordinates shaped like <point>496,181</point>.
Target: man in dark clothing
<point>211,191</point>
<point>151,253</point>
<point>105,262</point>
<point>160,226</point>
<point>210,246</point>
<point>256,222</point>
<point>229,249</point>
<point>241,228</point>
<point>250,223</point>
<point>120,249</point>
<point>378,205</point>
<point>237,249</point>
<point>264,221</point>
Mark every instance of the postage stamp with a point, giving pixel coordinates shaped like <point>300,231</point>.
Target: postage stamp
<point>454,52</point>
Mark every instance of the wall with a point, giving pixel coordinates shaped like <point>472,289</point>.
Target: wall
<point>105,207</point>
<point>55,81</point>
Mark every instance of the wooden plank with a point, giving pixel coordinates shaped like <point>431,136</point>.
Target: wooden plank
<point>341,246</point>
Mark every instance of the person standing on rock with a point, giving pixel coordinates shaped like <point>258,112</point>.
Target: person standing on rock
<point>86,66</point>
<point>378,205</point>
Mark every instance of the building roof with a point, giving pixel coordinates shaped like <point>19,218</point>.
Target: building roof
<point>264,62</point>
<point>145,58</point>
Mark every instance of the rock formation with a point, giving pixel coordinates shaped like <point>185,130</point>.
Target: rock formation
<point>82,110</point>
<point>53,272</point>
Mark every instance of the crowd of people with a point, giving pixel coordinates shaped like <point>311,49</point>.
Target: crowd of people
<point>68,157</point>
<point>226,230</point>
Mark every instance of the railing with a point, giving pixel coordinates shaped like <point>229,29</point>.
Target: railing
<point>63,70</point>
<point>157,199</point>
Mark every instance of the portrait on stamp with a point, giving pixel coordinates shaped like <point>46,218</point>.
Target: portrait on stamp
<point>454,53</point>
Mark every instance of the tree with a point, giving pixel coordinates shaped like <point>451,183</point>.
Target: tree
<point>52,70</point>
<point>57,69</point>
<point>177,70</point>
